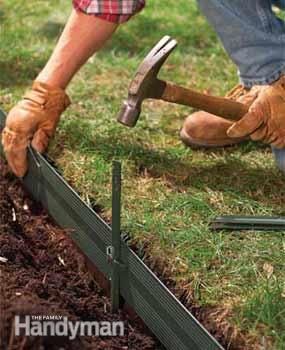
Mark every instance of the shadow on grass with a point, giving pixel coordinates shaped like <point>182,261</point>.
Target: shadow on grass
<point>2,16</point>
<point>143,35</point>
<point>232,174</point>
<point>51,29</point>
<point>143,31</point>
<point>20,71</point>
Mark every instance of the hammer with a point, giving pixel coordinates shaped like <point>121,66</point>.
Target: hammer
<point>145,84</point>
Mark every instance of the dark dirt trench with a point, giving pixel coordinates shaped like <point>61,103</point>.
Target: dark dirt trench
<point>42,273</point>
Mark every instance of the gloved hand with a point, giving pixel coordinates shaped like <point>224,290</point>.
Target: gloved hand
<point>265,120</point>
<point>33,120</point>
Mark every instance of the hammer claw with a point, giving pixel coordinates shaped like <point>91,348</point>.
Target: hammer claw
<point>161,50</point>
<point>165,40</point>
<point>162,55</point>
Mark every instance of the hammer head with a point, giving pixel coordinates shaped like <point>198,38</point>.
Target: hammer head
<point>145,83</point>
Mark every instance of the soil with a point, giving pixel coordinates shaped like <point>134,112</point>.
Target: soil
<point>42,273</point>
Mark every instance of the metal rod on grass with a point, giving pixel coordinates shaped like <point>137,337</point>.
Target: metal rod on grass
<point>253,223</point>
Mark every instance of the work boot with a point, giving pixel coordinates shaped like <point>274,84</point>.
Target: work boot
<point>206,130</point>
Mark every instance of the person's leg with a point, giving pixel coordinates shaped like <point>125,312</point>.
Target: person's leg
<point>253,36</point>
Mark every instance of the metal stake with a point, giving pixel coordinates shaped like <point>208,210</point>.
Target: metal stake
<point>116,235</point>
<point>256,223</point>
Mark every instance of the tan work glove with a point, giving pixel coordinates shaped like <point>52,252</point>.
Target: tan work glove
<point>33,120</point>
<point>265,120</point>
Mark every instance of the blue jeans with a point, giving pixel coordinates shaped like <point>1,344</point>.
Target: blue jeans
<point>254,38</point>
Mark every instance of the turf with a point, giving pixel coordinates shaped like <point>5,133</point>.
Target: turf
<point>170,192</point>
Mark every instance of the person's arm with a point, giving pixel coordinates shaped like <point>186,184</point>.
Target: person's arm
<point>83,35</point>
<point>34,119</point>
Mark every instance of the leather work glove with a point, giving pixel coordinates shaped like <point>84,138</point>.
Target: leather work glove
<point>265,120</point>
<point>33,120</point>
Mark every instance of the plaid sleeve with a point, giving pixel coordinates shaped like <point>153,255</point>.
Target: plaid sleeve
<point>117,11</point>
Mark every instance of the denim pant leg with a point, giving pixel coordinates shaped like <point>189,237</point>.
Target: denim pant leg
<point>255,40</point>
<point>253,36</point>
<point>279,155</point>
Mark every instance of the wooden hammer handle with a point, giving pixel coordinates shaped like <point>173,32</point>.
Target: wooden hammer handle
<point>220,106</point>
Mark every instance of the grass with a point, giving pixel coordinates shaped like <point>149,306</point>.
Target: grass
<point>170,192</point>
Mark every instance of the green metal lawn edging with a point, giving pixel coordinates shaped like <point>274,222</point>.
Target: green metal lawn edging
<point>162,312</point>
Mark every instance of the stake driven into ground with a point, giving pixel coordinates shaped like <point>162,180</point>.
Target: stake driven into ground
<point>170,192</point>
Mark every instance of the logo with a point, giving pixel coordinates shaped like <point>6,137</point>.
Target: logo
<point>60,326</point>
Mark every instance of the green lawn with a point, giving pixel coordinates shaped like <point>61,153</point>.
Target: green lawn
<point>170,192</point>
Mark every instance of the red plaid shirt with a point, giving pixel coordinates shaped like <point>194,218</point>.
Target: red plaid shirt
<point>117,11</point>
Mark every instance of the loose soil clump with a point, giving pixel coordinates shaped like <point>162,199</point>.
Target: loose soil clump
<point>42,273</point>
